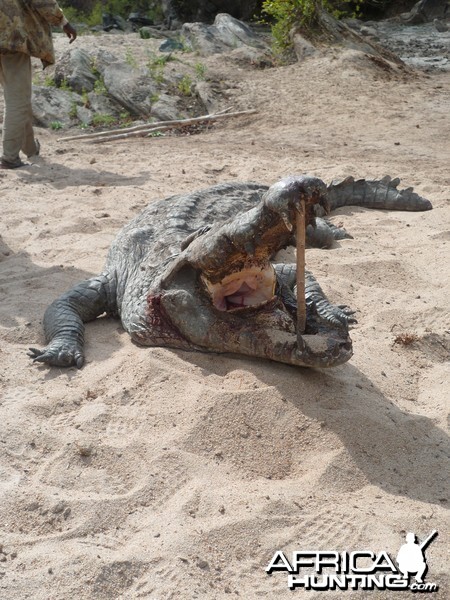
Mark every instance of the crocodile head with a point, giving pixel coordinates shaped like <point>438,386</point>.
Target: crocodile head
<point>222,293</point>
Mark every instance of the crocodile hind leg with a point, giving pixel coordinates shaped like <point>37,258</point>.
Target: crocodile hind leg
<point>324,234</point>
<point>339,315</point>
<point>64,321</point>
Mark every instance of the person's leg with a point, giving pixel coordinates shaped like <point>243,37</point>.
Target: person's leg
<point>17,123</point>
<point>420,573</point>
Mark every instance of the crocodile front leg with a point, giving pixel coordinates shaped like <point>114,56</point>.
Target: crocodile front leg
<point>338,315</point>
<point>64,321</point>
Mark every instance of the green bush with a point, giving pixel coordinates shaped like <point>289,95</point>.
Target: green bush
<point>101,120</point>
<point>284,14</point>
<point>184,85</point>
<point>91,16</point>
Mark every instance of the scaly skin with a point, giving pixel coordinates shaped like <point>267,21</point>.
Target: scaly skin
<point>154,275</point>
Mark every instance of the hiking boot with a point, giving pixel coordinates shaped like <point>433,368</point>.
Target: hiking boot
<point>6,164</point>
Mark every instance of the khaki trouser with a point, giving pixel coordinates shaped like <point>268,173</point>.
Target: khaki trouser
<point>15,76</point>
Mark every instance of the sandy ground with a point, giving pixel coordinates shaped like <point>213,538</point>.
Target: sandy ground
<point>161,474</point>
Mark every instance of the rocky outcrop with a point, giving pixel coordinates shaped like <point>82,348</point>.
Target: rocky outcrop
<point>329,30</point>
<point>97,88</point>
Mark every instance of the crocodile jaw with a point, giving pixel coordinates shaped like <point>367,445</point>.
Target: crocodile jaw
<point>252,286</point>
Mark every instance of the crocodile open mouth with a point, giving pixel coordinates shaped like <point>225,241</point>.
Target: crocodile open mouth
<point>249,288</point>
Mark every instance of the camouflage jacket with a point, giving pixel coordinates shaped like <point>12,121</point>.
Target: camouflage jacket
<point>25,26</point>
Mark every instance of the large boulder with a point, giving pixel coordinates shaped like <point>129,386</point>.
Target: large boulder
<point>305,42</point>
<point>132,89</point>
<point>75,68</point>
<point>166,108</point>
<point>52,106</point>
<point>227,33</point>
<point>427,10</point>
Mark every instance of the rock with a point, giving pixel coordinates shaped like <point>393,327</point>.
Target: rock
<point>353,23</point>
<point>368,31</point>
<point>75,68</point>
<point>202,564</point>
<point>227,33</point>
<point>145,33</point>
<point>132,89</point>
<point>100,104</point>
<point>235,32</point>
<point>427,10</point>
<point>251,57</point>
<point>208,96</point>
<point>84,115</point>
<point>97,105</point>
<point>52,105</point>
<point>440,26</point>
<point>202,38</point>
<point>170,45</point>
<point>423,48</point>
<point>302,47</point>
<point>166,108</point>
<point>100,60</point>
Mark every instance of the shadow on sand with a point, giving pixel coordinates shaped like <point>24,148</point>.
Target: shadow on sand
<point>399,452</point>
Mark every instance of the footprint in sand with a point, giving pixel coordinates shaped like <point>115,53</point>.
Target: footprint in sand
<point>89,468</point>
<point>9,479</point>
<point>120,433</point>
<point>19,397</point>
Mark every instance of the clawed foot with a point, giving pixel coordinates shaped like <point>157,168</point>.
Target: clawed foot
<point>347,313</point>
<point>58,355</point>
<point>339,315</point>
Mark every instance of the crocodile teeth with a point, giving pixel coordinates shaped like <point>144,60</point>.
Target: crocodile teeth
<point>286,220</point>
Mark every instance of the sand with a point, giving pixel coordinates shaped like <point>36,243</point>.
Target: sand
<point>160,474</point>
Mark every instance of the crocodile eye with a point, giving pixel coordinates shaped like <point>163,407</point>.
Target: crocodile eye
<point>250,287</point>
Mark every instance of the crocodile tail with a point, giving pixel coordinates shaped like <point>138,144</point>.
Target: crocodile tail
<point>378,193</point>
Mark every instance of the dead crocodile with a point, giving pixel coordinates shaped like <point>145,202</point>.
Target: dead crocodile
<point>194,272</point>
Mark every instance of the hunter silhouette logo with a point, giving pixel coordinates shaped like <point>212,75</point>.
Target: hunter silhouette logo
<point>360,570</point>
<point>411,556</point>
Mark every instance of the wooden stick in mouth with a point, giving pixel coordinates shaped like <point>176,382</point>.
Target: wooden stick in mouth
<point>300,237</point>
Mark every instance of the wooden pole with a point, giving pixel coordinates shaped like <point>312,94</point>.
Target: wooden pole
<point>143,130</point>
<point>87,136</point>
<point>300,236</point>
